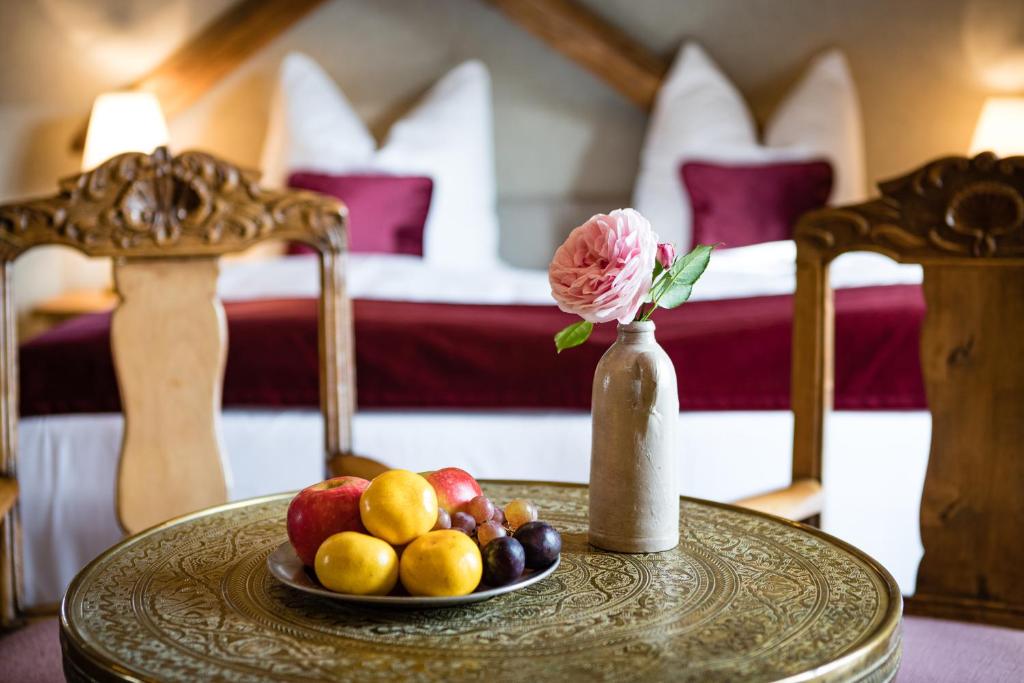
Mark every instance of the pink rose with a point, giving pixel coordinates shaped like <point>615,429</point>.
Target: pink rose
<point>666,254</point>
<point>603,270</point>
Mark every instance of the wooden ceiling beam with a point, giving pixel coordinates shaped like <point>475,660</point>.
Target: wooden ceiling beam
<point>587,39</point>
<point>566,25</point>
<point>217,50</point>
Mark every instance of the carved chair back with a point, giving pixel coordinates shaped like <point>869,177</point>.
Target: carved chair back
<point>963,220</point>
<point>166,221</point>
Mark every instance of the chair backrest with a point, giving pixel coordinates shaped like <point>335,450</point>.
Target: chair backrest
<point>166,221</point>
<point>963,220</point>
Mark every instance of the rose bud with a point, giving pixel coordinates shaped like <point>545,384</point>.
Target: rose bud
<point>666,254</point>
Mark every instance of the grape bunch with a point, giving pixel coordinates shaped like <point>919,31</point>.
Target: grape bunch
<point>510,539</point>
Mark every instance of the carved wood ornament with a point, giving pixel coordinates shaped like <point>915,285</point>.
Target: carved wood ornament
<point>963,219</point>
<point>156,205</point>
<point>954,210</point>
<point>166,220</point>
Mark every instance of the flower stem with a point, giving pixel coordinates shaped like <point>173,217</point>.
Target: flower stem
<point>654,304</point>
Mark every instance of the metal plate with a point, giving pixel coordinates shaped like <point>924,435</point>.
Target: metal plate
<point>285,566</point>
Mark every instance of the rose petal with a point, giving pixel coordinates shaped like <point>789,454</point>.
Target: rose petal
<point>602,271</point>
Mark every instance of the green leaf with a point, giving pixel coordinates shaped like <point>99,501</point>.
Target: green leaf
<point>675,296</point>
<point>573,335</point>
<point>675,286</point>
<point>685,271</point>
<point>694,263</point>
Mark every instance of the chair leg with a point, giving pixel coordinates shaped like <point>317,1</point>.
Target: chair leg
<point>9,616</point>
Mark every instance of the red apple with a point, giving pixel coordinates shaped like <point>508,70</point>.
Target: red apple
<point>322,510</point>
<point>454,488</point>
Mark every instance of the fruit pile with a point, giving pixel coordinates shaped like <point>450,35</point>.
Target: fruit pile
<point>435,533</point>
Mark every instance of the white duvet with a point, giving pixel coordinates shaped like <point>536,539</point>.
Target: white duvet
<point>733,273</point>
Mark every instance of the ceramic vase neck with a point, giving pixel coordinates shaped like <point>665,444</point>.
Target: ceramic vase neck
<point>636,332</point>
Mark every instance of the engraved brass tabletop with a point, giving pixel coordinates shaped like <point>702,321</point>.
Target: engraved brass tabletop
<point>745,596</point>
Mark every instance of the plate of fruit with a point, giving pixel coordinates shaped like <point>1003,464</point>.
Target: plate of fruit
<point>417,540</point>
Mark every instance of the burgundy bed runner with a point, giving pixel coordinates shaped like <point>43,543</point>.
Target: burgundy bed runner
<point>729,355</point>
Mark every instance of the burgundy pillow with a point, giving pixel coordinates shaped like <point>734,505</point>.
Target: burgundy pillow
<point>749,204</point>
<point>386,213</point>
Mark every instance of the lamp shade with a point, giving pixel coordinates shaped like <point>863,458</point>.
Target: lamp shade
<point>1000,127</point>
<point>123,122</point>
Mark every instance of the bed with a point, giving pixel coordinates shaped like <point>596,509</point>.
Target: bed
<point>456,366</point>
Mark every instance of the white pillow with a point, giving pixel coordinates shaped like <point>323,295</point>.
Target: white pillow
<point>697,108</point>
<point>822,115</point>
<point>698,114</point>
<point>447,136</point>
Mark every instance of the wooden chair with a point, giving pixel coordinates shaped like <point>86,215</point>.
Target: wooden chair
<point>963,220</point>
<point>166,221</point>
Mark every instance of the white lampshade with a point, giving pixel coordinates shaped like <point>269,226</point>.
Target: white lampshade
<point>1000,127</point>
<point>123,122</point>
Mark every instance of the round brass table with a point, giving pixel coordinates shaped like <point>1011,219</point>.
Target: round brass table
<point>745,596</point>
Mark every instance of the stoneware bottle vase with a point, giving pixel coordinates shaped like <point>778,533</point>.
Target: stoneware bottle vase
<point>634,503</point>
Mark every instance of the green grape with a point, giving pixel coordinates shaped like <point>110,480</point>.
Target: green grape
<point>520,512</point>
